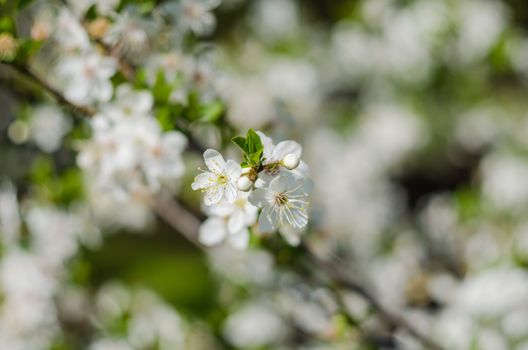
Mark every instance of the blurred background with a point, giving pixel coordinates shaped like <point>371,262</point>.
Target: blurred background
<point>413,119</point>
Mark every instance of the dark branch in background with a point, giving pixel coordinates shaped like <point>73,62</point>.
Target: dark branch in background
<point>56,94</point>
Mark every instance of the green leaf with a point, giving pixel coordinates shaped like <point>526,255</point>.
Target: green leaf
<point>212,112</point>
<point>7,25</point>
<point>253,143</point>
<point>26,49</point>
<point>255,158</point>
<point>165,119</point>
<point>161,89</point>
<point>23,3</point>
<point>240,142</point>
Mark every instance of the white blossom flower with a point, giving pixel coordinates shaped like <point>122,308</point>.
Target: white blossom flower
<point>229,220</point>
<point>86,77</point>
<point>284,156</point>
<point>47,127</point>
<point>129,154</point>
<point>69,33</point>
<point>284,202</point>
<point>254,325</point>
<point>130,34</point>
<point>196,15</point>
<point>221,181</point>
<point>129,103</point>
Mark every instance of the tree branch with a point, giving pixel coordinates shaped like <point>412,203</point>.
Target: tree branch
<point>25,71</point>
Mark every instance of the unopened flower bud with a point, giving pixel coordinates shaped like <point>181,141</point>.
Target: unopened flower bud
<point>290,161</point>
<point>244,183</point>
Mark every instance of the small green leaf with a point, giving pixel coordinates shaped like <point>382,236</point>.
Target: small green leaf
<point>161,89</point>
<point>240,142</point>
<point>255,158</point>
<point>165,119</point>
<point>253,143</point>
<point>212,112</point>
<point>26,49</point>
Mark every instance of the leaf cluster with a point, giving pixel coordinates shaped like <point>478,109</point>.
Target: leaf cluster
<point>252,147</point>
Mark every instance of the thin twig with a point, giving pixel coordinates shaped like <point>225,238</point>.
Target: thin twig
<point>56,94</point>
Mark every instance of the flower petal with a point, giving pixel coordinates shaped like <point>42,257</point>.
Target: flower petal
<point>286,147</point>
<point>267,221</point>
<point>291,235</point>
<point>214,161</point>
<point>235,222</point>
<point>282,182</point>
<point>267,143</point>
<point>240,239</point>
<point>213,195</point>
<point>233,170</point>
<point>212,231</point>
<point>259,197</point>
<point>203,180</point>
<point>230,192</point>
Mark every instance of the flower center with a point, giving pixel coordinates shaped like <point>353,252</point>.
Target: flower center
<point>281,199</point>
<point>222,179</point>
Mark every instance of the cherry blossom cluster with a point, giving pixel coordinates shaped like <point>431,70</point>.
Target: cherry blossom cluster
<point>270,187</point>
<point>128,153</point>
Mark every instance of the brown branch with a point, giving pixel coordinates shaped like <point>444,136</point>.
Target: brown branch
<point>25,71</point>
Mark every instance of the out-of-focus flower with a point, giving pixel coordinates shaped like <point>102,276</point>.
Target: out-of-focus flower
<point>254,325</point>
<point>128,153</point>
<point>47,126</point>
<point>69,33</point>
<point>502,181</point>
<point>130,34</point>
<point>220,182</point>
<point>196,15</point>
<point>86,77</point>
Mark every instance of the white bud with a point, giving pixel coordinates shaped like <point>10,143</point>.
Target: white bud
<point>244,183</point>
<point>290,161</point>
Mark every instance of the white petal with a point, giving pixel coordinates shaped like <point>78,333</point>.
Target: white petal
<point>259,197</point>
<point>212,231</point>
<point>267,143</point>
<point>286,147</point>
<point>174,141</point>
<point>291,234</point>
<point>203,180</point>
<point>282,182</point>
<point>267,221</point>
<point>214,161</point>
<point>230,192</point>
<point>144,101</point>
<point>222,209</point>
<point>235,222</point>
<point>302,170</point>
<point>240,239</point>
<point>214,195</point>
<point>233,170</point>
